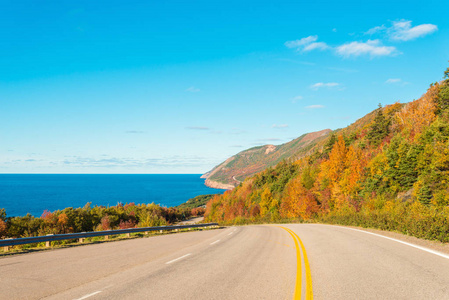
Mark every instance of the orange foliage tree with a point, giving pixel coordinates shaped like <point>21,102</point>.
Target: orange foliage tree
<point>298,202</point>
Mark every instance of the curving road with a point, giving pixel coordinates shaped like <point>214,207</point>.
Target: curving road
<point>248,262</point>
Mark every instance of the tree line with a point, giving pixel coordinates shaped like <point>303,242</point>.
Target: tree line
<point>93,218</point>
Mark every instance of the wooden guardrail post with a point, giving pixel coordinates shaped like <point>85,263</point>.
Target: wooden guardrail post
<point>106,237</point>
<point>6,248</point>
<point>48,243</point>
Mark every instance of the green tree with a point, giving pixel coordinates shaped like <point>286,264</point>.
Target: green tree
<point>308,177</point>
<point>402,160</point>
<point>425,194</point>
<point>327,148</point>
<point>443,95</point>
<point>379,129</point>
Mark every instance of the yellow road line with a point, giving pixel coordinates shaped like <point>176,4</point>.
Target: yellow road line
<point>309,290</point>
<point>297,294</point>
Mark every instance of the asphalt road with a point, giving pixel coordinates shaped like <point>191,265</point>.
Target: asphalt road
<point>248,262</point>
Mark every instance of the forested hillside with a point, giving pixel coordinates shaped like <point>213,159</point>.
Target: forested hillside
<point>388,170</point>
<point>251,161</point>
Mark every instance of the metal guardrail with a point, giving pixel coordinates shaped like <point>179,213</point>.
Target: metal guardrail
<point>82,235</point>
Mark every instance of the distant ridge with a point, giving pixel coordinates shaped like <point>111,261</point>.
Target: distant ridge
<point>235,169</point>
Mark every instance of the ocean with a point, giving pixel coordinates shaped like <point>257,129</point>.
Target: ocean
<point>33,193</point>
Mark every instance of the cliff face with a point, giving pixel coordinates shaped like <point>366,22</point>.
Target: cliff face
<point>235,169</point>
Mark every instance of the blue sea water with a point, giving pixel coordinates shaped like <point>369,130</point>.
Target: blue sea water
<point>33,193</point>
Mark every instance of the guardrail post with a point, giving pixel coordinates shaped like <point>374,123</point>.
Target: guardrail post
<point>106,237</point>
<point>6,248</point>
<point>81,240</point>
<point>47,243</point>
<point>128,234</point>
<point>160,231</point>
<point>146,232</point>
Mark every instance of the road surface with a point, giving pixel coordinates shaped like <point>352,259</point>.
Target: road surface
<point>248,262</point>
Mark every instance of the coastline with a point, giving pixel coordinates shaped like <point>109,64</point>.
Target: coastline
<point>218,185</point>
<point>35,193</point>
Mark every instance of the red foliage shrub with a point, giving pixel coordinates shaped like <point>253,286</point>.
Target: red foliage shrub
<point>198,211</point>
<point>105,223</point>
<point>127,224</point>
<point>2,228</point>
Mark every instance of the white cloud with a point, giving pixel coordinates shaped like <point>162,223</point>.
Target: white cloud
<point>315,106</point>
<point>307,44</point>
<point>376,30</point>
<point>193,89</point>
<point>398,31</point>
<point>393,80</point>
<point>397,81</point>
<point>371,47</point>
<point>301,42</point>
<point>117,162</point>
<point>318,85</point>
<point>403,30</point>
<point>279,126</point>
<point>313,46</point>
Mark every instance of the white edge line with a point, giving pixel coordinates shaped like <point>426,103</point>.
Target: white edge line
<point>87,296</point>
<point>171,261</point>
<point>402,242</point>
<point>215,242</point>
<point>230,233</point>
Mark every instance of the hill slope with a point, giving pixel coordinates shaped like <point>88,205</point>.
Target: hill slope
<point>251,161</point>
<point>388,170</point>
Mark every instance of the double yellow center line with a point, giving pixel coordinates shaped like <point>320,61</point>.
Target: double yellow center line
<point>309,291</point>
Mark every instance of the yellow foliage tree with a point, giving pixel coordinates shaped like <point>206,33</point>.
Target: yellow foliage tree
<point>265,201</point>
<point>418,114</point>
<point>298,201</point>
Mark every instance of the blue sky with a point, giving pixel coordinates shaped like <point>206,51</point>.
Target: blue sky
<point>179,86</point>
